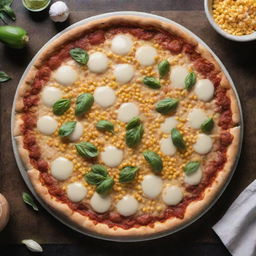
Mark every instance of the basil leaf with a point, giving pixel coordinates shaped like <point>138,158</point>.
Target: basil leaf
<point>190,80</point>
<point>207,125</point>
<point>9,11</point>
<point>86,149</point>
<point>151,82</point>
<point>61,106</point>
<point>133,123</point>
<point>4,77</point>
<point>79,55</point>
<point>5,2</point>
<point>28,199</point>
<point>167,105</point>
<point>94,178</point>
<point>104,125</point>
<point>3,17</point>
<point>67,128</point>
<point>163,68</point>
<point>128,174</point>
<point>177,139</point>
<point>83,103</point>
<point>154,161</point>
<point>105,186</point>
<point>100,170</point>
<point>191,167</point>
<point>134,136</point>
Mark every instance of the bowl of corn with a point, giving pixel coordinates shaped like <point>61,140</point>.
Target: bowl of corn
<point>233,19</point>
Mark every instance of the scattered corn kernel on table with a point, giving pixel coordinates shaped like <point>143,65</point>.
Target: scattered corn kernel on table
<point>199,238</point>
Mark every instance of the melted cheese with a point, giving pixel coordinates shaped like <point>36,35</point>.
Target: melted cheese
<point>65,75</point>
<point>76,191</point>
<point>177,77</point>
<point>204,89</point>
<point>112,156</point>
<point>172,195</point>
<point>123,73</point>
<point>152,186</point>
<point>104,96</point>
<point>203,144</point>
<point>121,44</point>
<point>100,203</point>
<point>98,62</point>
<point>196,117</point>
<point>77,133</point>
<point>61,168</point>
<point>194,178</point>
<point>50,95</point>
<point>127,111</point>
<point>146,55</point>
<point>47,125</point>
<point>168,124</point>
<point>127,206</point>
<point>167,147</point>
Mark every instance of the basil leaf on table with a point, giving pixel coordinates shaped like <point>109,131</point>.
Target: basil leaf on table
<point>177,139</point>
<point>6,11</point>
<point>134,136</point>
<point>104,125</point>
<point>99,169</point>
<point>207,125</point>
<point>79,55</point>
<point>84,103</point>
<point>190,80</point>
<point>4,77</point>
<point>167,105</point>
<point>135,121</point>
<point>154,161</point>
<point>151,82</point>
<point>105,186</point>
<point>67,128</point>
<point>128,174</point>
<point>61,106</point>
<point>28,199</point>
<point>191,167</point>
<point>86,149</point>
<point>163,68</point>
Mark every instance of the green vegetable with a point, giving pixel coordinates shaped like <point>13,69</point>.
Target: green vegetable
<point>151,82</point>
<point>100,170</point>
<point>67,128</point>
<point>93,178</point>
<point>167,105</point>
<point>28,199</point>
<point>14,37</point>
<point>79,55</point>
<point>105,186</point>
<point>61,106</point>
<point>133,136</point>
<point>6,11</point>
<point>104,125</point>
<point>177,139</point>
<point>86,149</point>
<point>191,167</point>
<point>128,174</point>
<point>207,125</point>
<point>83,103</point>
<point>133,123</point>
<point>163,68</point>
<point>190,80</point>
<point>154,160</point>
<point>4,77</point>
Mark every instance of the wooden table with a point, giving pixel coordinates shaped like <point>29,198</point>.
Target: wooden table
<point>239,59</point>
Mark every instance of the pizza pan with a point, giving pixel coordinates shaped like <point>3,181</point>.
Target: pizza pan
<point>60,217</point>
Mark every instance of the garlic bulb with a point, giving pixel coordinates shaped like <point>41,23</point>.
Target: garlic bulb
<point>32,245</point>
<point>4,212</point>
<point>59,11</point>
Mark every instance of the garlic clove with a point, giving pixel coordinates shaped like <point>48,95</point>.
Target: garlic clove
<point>32,245</point>
<point>59,11</point>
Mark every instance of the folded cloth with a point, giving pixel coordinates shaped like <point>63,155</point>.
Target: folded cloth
<point>237,228</point>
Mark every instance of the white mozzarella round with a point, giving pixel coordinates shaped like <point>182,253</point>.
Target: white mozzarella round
<point>61,168</point>
<point>196,117</point>
<point>152,186</point>
<point>123,73</point>
<point>65,75</point>
<point>76,191</point>
<point>204,89</point>
<point>167,147</point>
<point>112,156</point>
<point>168,124</point>
<point>100,203</point>
<point>77,132</point>
<point>193,178</point>
<point>98,62</point>
<point>203,144</point>
<point>121,44</point>
<point>47,125</point>
<point>50,95</point>
<point>172,195</point>
<point>178,75</point>
<point>104,96</point>
<point>127,206</point>
<point>127,111</point>
<point>145,55</point>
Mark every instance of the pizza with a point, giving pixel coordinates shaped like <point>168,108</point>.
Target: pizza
<point>127,126</point>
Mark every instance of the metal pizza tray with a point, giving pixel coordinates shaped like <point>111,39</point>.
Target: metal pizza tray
<point>63,219</point>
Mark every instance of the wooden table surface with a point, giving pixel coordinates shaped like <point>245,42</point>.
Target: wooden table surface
<point>239,59</point>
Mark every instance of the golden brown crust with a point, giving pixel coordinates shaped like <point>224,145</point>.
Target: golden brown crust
<point>23,153</point>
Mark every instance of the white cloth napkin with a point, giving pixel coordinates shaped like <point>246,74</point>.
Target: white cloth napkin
<point>237,228</point>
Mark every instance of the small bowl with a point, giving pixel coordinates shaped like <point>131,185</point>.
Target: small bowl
<point>36,10</point>
<point>208,12</point>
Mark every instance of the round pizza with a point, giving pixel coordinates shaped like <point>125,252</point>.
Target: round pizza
<point>127,126</point>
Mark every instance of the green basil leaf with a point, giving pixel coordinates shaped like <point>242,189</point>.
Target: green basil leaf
<point>4,77</point>
<point>100,170</point>
<point>94,178</point>
<point>134,136</point>
<point>151,82</point>
<point>207,125</point>
<point>135,121</point>
<point>154,161</point>
<point>67,128</point>
<point>177,139</point>
<point>167,105</point>
<point>28,199</point>
<point>105,186</point>
<point>5,2</point>
<point>3,17</point>
<point>128,174</point>
<point>104,125</point>
<point>191,167</point>
<point>190,80</point>
<point>9,11</point>
<point>61,106</point>
<point>79,55</point>
<point>86,149</point>
<point>83,103</point>
<point>163,68</point>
